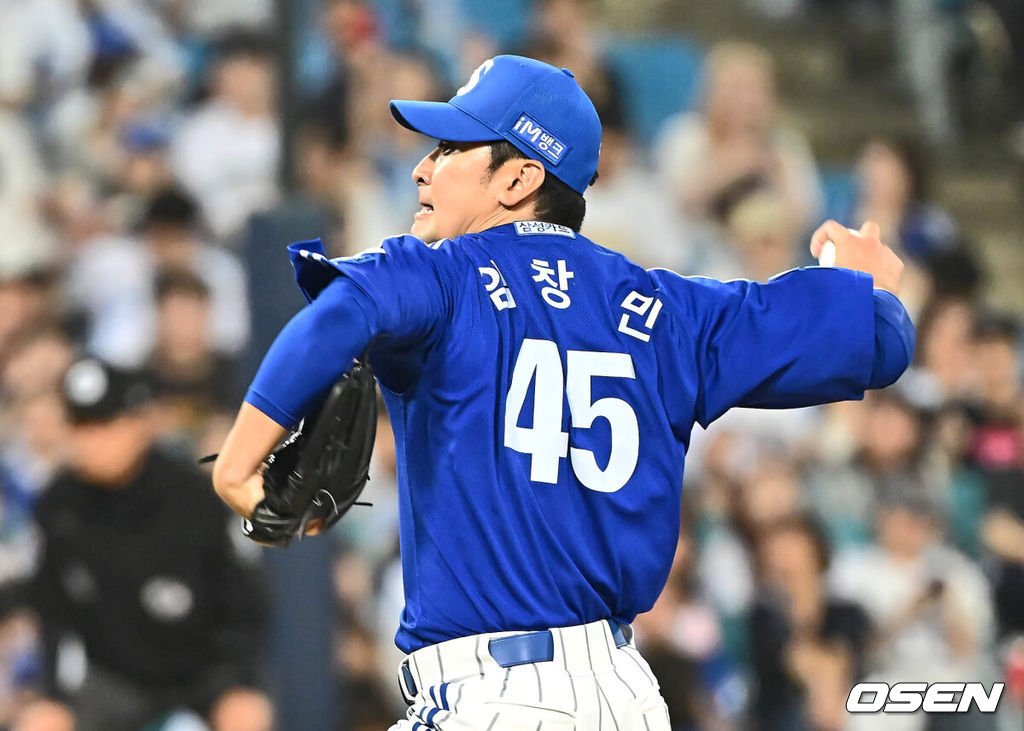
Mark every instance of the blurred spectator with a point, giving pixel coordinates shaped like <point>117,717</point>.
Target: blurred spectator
<point>44,715</point>
<point>995,449</point>
<point>1002,530</point>
<point>108,278</point>
<point>37,362</point>
<point>34,449</point>
<point>348,26</point>
<point>1011,16</point>
<point>682,640</point>
<point>396,150</point>
<point>192,380</point>
<point>926,33</point>
<point>23,180</point>
<point>930,605</point>
<point>807,645</point>
<point>564,35</point>
<point>354,106</point>
<point>723,561</point>
<point>137,562</point>
<point>136,72</point>
<point>33,439</point>
<point>170,229</point>
<point>734,145</point>
<point>213,19</point>
<point>365,177</point>
<point>769,493</point>
<point>893,190</point>
<point>242,709</point>
<point>27,307</point>
<point>892,185</point>
<point>19,655</point>
<point>761,233</point>
<point>890,440</point>
<point>628,211</point>
<point>113,277</point>
<point>225,153</point>
<point>45,48</point>
<point>390,599</point>
<point>33,443</point>
<point>997,439</point>
<point>955,273</point>
<point>377,197</point>
<point>944,346</point>
<point>367,706</point>
<point>143,169</point>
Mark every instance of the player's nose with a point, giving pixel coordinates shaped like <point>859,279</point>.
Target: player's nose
<point>422,172</point>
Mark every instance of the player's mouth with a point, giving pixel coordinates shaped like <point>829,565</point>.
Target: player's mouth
<point>425,210</point>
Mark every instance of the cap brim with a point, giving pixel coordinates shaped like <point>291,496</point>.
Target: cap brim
<point>442,121</point>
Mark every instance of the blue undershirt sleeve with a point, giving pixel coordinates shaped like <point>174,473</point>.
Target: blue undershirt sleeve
<point>894,340</point>
<point>312,351</point>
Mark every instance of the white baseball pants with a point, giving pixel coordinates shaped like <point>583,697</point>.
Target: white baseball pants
<point>590,684</point>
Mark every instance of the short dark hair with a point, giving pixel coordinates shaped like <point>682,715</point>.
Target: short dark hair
<point>912,155</point>
<point>239,43</point>
<point>811,529</point>
<point>178,281</point>
<point>992,326</point>
<point>556,201</point>
<point>171,207</point>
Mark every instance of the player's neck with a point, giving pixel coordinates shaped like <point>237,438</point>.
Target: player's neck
<point>502,217</point>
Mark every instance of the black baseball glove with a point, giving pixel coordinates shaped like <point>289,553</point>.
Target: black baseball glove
<point>317,474</point>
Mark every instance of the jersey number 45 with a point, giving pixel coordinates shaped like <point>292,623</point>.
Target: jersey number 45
<point>545,441</point>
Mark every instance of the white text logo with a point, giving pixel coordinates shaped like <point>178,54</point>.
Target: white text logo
<point>475,78</point>
<point>539,138</point>
<point>930,698</point>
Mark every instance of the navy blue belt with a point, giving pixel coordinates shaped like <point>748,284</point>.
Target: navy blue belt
<point>527,648</point>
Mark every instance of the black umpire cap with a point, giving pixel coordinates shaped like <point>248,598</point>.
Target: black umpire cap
<point>94,391</point>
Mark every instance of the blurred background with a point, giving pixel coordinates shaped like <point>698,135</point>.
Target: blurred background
<point>157,155</point>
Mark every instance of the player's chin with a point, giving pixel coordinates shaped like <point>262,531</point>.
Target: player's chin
<point>422,229</point>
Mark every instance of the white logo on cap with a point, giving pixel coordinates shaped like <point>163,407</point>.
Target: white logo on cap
<point>475,78</point>
<point>86,382</point>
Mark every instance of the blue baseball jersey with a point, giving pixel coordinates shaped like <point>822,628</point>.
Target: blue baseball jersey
<point>542,390</point>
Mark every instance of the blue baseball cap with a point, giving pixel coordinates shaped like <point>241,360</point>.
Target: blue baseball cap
<point>537,107</point>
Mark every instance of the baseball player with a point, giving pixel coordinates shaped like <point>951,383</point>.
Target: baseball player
<point>542,390</point>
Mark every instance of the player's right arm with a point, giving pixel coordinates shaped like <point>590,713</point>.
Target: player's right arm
<point>808,336</point>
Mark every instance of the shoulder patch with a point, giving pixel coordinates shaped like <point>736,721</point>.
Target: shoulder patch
<point>542,228</point>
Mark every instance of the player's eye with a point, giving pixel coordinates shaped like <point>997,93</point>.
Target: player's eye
<point>446,148</point>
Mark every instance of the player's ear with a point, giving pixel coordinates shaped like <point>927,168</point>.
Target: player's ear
<point>526,177</point>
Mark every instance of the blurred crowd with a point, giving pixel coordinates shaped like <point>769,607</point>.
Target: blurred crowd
<point>879,540</point>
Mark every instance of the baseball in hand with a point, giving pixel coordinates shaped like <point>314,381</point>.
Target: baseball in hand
<point>827,258</point>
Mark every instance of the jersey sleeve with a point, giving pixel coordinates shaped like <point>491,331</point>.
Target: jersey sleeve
<point>405,279</point>
<point>895,340</point>
<point>393,292</point>
<point>805,337</point>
